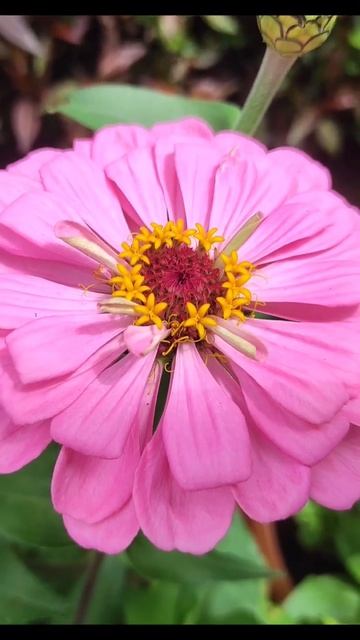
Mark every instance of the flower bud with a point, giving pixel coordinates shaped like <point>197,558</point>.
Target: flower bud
<point>295,35</point>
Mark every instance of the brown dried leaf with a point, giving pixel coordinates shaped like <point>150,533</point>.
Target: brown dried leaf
<point>17,31</point>
<point>71,32</point>
<point>212,89</point>
<point>26,123</point>
<point>116,62</point>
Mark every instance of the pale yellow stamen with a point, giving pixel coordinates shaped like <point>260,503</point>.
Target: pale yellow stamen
<point>198,318</point>
<point>241,236</point>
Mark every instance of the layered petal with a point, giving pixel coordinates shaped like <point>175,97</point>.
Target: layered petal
<point>135,175</point>
<point>83,185</point>
<point>21,445</point>
<point>13,186</point>
<point>204,432</point>
<point>111,143</point>
<point>91,489</point>
<point>308,173</point>
<point>244,187</point>
<point>326,283</point>
<point>307,387</point>
<point>34,402</point>
<point>33,236</point>
<point>335,481</point>
<point>171,517</point>
<point>29,167</point>
<point>61,343</point>
<point>25,298</point>
<point>112,535</point>
<point>98,422</point>
<point>278,486</point>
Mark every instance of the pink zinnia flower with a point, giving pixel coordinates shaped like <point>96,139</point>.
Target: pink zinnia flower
<point>202,265</point>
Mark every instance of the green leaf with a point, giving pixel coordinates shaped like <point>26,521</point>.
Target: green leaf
<point>226,602</point>
<point>24,598</point>
<point>347,542</point>
<point>151,604</point>
<point>105,104</point>
<point>321,598</point>
<point>26,513</point>
<point>183,567</point>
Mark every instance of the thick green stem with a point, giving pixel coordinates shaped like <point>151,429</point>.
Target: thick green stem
<point>272,72</point>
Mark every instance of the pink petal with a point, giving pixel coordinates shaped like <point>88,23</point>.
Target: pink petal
<point>40,401</point>
<point>55,346</point>
<point>56,271</point>
<point>13,186</point>
<point>353,411</point>
<point>332,343</point>
<point>24,298</point>
<point>135,175</point>
<point>244,187</point>
<point>186,127</point>
<point>307,387</point>
<point>335,481</point>
<point>240,145</point>
<point>112,535</point>
<point>83,146</point>
<point>309,174</point>
<point>323,283</point>
<point>111,143</point>
<point>141,340</point>
<point>30,166</point>
<point>172,518</point>
<point>305,442</point>
<point>99,420</point>
<point>21,445</point>
<point>164,158</point>
<point>307,223</point>
<point>278,486</point>
<point>83,185</point>
<point>33,235</point>
<point>195,167</point>
<point>91,489</point>
<point>204,432</point>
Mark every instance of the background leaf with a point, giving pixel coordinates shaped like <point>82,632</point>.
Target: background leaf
<point>105,104</point>
<point>24,598</point>
<point>26,513</point>
<point>183,567</point>
<point>319,598</point>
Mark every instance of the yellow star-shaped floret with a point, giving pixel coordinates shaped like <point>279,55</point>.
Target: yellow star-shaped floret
<point>207,238</point>
<point>150,311</point>
<point>135,252</point>
<point>198,318</point>
<point>179,233</point>
<point>231,306</point>
<point>235,285</point>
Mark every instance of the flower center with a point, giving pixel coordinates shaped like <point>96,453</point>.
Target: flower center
<point>174,278</point>
<point>178,275</point>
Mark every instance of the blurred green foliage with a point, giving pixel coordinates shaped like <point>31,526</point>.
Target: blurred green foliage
<point>44,575</point>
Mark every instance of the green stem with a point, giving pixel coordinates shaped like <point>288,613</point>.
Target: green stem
<point>272,72</point>
<point>89,587</point>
